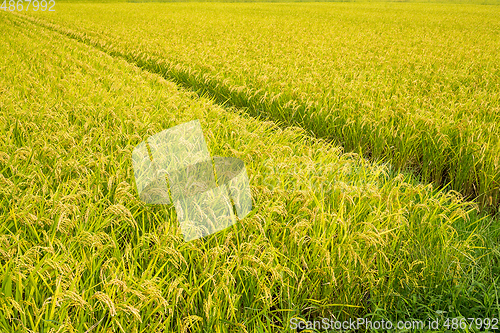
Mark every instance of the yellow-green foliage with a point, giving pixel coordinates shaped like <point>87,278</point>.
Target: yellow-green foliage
<point>414,84</point>
<point>331,234</point>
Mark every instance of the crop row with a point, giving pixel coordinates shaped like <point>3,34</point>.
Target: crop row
<point>416,85</point>
<point>79,250</point>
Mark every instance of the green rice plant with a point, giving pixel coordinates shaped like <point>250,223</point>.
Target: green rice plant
<point>331,233</point>
<point>413,84</point>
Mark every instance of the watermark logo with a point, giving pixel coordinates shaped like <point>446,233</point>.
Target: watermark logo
<point>175,166</point>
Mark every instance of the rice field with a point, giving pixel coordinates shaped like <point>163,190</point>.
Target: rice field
<point>332,233</point>
<point>413,84</point>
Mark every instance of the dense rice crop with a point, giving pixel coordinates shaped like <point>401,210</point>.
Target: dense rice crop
<point>417,85</point>
<point>331,234</point>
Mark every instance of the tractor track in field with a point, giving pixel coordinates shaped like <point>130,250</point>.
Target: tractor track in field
<point>254,103</point>
<point>200,83</point>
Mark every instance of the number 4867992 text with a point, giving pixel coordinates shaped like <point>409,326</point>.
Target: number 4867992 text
<point>35,5</point>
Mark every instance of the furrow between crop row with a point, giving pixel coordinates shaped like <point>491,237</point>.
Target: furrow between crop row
<point>451,157</point>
